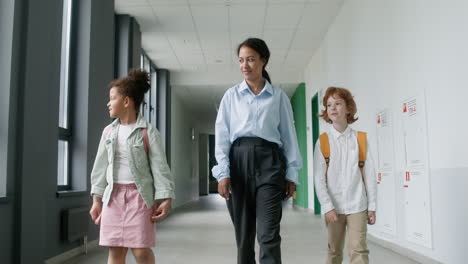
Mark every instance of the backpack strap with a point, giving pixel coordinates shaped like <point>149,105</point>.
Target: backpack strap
<point>107,130</point>
<point>325,148</point>
<point>144,132</point>
<point>362,145</point>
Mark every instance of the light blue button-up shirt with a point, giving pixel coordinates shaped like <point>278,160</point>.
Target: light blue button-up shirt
<point>267,115</point>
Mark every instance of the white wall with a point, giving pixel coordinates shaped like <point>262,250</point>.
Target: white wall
<point>184,154</point>
<point>385,51</point>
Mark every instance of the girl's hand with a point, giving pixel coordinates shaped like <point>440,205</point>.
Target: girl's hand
<point>224,188</point>
<point>96,210</point>
<point>331,217</point>
<point>290,189</point>
<point>371,217</point>
<point>161,210</point>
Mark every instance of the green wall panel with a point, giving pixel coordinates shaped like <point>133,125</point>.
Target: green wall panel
<point>298,102</point>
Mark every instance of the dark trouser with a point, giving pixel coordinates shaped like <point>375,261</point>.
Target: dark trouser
<point>258,187</point>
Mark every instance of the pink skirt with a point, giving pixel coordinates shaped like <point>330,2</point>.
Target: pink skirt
<point>126,221</point>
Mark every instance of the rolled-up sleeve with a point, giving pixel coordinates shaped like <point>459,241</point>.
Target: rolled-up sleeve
<point>98,174</point>
<point>289,140</point>
<point>320,170</point>
<point>222,139</point>
<point>371,181</point>
<point>162,177</point>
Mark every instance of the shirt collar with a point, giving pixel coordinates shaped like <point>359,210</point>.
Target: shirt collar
<point>140,123</point>
<point>337,134</point>
<point>243,86</point>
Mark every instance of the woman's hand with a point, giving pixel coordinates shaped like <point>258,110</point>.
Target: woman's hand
<point>161,210</point>
<point>290,189</point>
<point>96,210</point>
<point>371,217</point>
<point>224,188</point>
<point>331,217</point>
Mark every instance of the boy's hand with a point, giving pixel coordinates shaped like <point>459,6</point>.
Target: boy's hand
<point>290,189</point>
<point>331,217</point>
<point>224,188</point>
<point>161,210</point>
<point>96,210</point>
<point>371,217</point>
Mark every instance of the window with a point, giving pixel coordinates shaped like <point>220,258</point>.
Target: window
<point>148,107</point>
<point>153,96</point>
<point>144,108</point>
<point>65,132</point>
<point>7,10</point>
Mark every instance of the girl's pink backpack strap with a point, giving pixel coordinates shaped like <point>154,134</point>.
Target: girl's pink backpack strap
<point>145,139</point>
<point>107,130</point>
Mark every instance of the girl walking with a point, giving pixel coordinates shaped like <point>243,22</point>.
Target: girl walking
<point>131,183</point>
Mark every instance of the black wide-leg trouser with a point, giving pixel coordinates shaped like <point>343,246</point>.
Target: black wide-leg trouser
<point>258,187</point>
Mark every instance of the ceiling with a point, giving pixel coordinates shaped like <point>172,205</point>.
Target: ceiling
<point>197,40</point>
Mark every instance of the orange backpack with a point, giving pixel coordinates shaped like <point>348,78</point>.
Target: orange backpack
<point>362,145</point>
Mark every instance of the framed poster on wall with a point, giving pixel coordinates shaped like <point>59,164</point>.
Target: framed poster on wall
<point>416,180</point>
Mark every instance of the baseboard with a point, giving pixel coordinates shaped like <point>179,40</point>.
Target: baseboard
<point>64,257</point>
<point>184,205</point>
<point>402,251</point>
<point>296,207</point>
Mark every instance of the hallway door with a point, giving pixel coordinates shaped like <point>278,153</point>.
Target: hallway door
<point>298,104</point>
<point>213,183</point>
<point>315,136</point>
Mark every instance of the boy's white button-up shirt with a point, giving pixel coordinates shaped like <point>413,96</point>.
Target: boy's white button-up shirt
<point>345,191</point>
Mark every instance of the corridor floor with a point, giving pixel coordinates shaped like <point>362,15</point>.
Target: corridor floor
<point>202,232</point>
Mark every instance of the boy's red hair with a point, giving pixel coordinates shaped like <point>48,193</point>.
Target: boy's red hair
<point>344,94</point>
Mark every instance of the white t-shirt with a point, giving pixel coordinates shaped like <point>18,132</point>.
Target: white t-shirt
<point>122,173</point>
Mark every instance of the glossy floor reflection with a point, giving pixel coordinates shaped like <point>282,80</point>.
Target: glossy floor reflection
<point>202,232</point>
